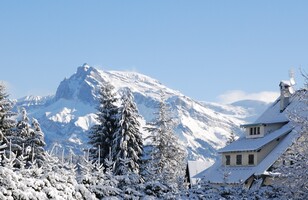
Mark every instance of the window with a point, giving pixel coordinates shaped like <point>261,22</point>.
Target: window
<point>228,159</point>
<point>258,130</point>
<point>254,130</point>
<point>238,159</point>
<point>251,159</point>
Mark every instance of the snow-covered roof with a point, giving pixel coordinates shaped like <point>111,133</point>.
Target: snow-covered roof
<point>195,167</point>
<point>249,144</point>
<point>216,173</point>
<point>273,114</point>
<point>236,174</point>
<point>259,124</point>
<point>285,82</point>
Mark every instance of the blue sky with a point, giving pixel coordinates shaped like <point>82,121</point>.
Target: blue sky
<point>205,49</point>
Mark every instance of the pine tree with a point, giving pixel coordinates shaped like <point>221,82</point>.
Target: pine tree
<point>59,178</point>
<point>129,182</point>
<point>99,180</point>
<point>28,140</point>
<point>111,182</point>
<point>6,123</point>
<point>127,142</point>
<point>23,124</point>
<point>101,135</point>
<point>36,142</point>
<point>167,161</point>
<point>19,135</point>
<point>19,138</point>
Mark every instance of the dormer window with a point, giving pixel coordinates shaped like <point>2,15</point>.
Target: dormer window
<point>258,130</point>
<point>255,131</point>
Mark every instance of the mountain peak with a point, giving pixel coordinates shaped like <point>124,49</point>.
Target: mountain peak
<point>80,85</point>
<point>84,70</point>
<point>86,66</point>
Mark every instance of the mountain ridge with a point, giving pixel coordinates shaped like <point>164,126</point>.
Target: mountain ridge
<point>67,116</point>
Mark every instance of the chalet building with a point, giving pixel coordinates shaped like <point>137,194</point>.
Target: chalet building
<point>264,141</point>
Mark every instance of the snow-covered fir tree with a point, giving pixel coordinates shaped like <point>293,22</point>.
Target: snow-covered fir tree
<point>19,137</point>
<point>6,122</point>
<point>20,134</point>
<point>28,140</point>
<point>23,124</point>
<point>127,147</point>
<point>102,134</point>
<point>167,157</point>
<point>36,143</point>
<point>127,143</point>
<point>99,180</point>
<point>96,181</point>
<point>129,182</point>
<point>52,180</point>
<point>111,182</point>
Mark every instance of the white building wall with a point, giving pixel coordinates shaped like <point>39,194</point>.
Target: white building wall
<point>267,149</point>
<point>262,131</point>
<point>244,158</point>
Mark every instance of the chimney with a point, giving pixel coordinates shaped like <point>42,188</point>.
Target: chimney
<point>285,93</point>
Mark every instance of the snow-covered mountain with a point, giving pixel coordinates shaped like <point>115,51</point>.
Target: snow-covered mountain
<point>67,116</point>
<point>247,110</point>
<point>253,108</point>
